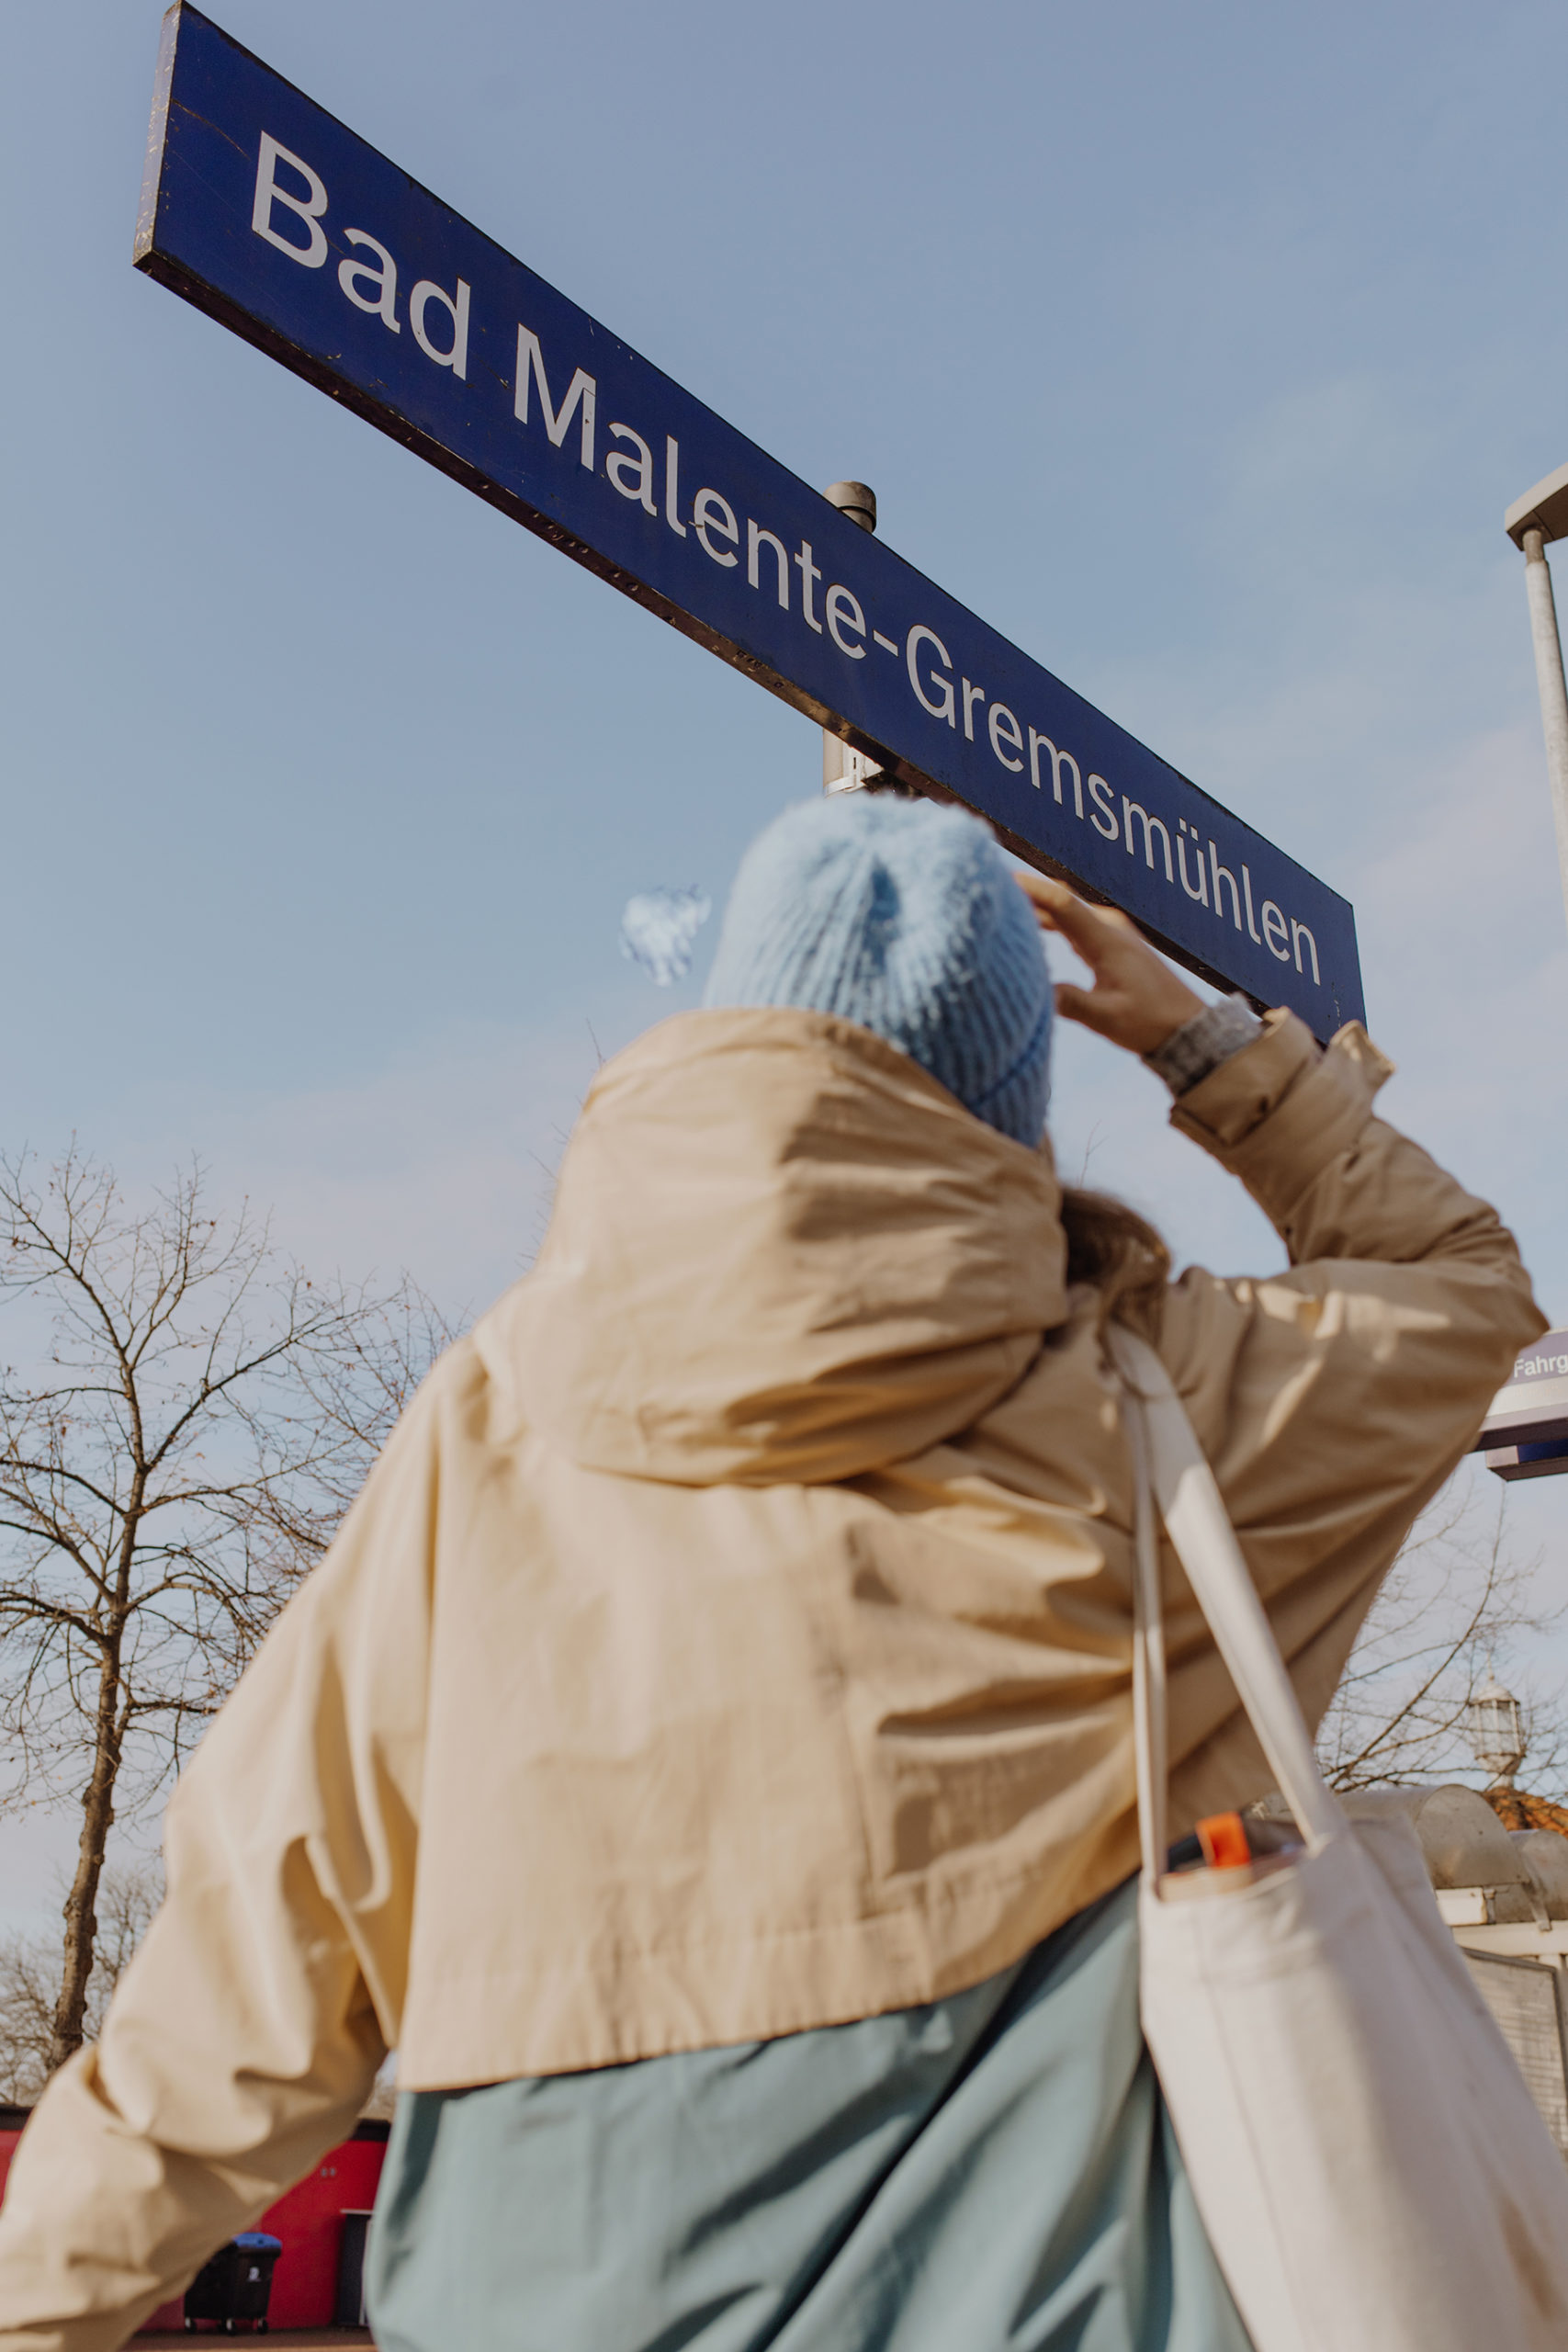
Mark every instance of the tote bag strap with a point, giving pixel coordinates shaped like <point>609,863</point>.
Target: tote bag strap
<point>1150,1746</point>
<point>1170,1474</point>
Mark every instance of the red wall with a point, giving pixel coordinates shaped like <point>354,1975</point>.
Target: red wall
<point>308,2219</point>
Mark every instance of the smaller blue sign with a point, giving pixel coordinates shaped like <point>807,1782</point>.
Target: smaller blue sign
<point>1525,1435</point>
<point>267,212</point>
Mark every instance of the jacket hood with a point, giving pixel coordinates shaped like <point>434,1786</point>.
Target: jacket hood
<point>779,1251</point>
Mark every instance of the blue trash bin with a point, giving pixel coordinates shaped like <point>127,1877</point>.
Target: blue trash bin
<point>236,2284</point>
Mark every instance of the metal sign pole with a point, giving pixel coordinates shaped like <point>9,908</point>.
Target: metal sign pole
<point>1553,688</point>
<point>843,768</point>
<point>1542,515</point>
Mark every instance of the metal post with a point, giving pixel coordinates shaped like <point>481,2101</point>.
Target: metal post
<point>1553,690</point>
<point>844,770</point>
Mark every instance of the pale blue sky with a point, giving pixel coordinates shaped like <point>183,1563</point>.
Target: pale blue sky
<point>1199,349</point>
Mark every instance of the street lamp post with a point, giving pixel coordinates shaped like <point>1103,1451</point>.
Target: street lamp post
<point>844,770</point>
<point>1541,514</point>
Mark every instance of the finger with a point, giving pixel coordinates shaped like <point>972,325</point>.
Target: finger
<point>1044,897</point>
<point>1056,907</point>
<point>1044,889</point>
<point>1080,1005</point>
<point>1095,933</point>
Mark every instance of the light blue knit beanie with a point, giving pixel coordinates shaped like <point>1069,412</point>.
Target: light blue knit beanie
<point>901,916</point>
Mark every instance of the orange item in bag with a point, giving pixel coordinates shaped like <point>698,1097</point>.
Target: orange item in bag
<point>1225,1841</point>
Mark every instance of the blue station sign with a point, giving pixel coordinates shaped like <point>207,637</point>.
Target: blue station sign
<point>270,215</point>
<point>1525,1435</point>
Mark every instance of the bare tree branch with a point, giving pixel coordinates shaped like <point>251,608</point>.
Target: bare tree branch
<point>198,1416</point>
<point>1456,1603</point>
<point>29,1980</point>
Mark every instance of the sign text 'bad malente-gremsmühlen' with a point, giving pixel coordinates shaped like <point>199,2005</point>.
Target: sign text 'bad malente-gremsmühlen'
<point>267,212</point>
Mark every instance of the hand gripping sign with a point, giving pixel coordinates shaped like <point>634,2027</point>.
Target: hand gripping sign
<point>267,212</point>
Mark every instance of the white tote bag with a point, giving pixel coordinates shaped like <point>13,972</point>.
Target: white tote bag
<point>1369,2165</point>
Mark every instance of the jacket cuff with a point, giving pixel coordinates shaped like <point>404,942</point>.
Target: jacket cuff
<point>1276,1112</point>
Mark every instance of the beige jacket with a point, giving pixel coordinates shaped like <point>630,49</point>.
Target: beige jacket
<point>734,1636</point>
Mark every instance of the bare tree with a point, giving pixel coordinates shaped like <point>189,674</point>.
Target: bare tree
<point>30,1979</point>
<point>1456,1603</point>
<point>29,1986</point>
<point>200,1415</point>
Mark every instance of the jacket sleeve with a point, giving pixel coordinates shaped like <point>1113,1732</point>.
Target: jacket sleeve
<point>244,2037</point>
<point>1335,1398</point>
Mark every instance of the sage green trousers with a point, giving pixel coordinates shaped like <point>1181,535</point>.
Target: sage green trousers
<point>993,2172</point>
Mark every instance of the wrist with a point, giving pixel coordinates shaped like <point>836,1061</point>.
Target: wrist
<point>1199,1044</point>
<point>1177,1007</point>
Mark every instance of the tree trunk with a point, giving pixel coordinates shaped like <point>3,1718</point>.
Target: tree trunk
<point>81,1912</point>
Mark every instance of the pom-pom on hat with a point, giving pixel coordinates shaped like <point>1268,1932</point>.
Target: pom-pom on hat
<point>901,916</point>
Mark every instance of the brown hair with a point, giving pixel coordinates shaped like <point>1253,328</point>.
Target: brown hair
<point>1112,1247</point>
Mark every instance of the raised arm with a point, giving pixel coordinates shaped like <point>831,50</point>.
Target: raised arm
<point>1296,1125</point>
<point>1334,1398</point>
